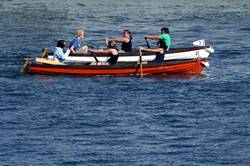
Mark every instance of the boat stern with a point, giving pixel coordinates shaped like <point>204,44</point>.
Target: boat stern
<point>25,66</point>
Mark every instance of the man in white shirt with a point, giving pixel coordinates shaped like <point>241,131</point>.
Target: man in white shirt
<point>59,54</point>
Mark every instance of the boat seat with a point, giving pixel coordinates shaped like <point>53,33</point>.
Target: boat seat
<point>46,61</point>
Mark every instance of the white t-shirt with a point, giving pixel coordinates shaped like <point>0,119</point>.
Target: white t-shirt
<point>59,55</point>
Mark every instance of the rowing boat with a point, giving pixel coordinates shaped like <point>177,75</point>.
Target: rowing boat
<point>190,60</point>
<point>190,66</point>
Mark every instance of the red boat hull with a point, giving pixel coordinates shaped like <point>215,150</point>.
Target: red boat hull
<point>187,67</point>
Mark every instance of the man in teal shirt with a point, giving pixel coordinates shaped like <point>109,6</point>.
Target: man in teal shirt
<point>166,38</point>
<point>164,44</point>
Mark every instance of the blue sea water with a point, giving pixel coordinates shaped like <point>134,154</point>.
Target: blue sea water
<point>72,120</point>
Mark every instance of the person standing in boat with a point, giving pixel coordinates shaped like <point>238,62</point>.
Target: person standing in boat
<point>112,51</point>
<point>126,41</point>
<point>59,54</point>
<point>164,44</point>
<point>75,44</point>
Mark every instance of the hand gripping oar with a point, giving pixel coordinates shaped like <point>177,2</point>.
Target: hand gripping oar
<point>141,72</point>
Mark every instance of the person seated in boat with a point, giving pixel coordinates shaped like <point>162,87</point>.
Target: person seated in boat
<point>164,44</point>
<point>126,41</point>
<point>75,44</point>
<point>112,51</point>
<point>59,54</point>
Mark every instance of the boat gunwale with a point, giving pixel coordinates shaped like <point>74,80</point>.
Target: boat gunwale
<point>136,53</point>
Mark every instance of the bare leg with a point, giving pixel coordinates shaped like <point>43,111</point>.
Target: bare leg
<point>84,49</point>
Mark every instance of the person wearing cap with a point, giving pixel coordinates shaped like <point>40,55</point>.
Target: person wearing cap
<point>75,44</point>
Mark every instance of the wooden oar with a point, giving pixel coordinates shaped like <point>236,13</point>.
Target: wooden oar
<point>141,72</point>
<point>25,66</point>
<point>93,54</point>
<point>147,42</point>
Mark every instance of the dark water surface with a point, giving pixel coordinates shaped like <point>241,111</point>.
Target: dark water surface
<point>69,120</point>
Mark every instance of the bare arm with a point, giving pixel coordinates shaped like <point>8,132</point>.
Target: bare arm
<point>152,37</point>
<point>160,50</point>
<point>108,51</point>
<point>101,51</point>
<point>123,39</point>
<point>72,50</point>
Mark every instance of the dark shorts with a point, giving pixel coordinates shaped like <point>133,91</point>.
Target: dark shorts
<point>159,58</point>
